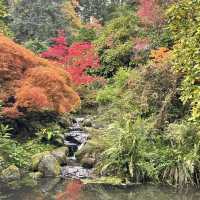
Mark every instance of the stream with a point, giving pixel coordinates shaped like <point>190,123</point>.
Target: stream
<point>71,188</point>
<point>75,139</point>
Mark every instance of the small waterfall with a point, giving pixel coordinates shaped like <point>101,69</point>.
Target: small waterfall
<point>75,139</point>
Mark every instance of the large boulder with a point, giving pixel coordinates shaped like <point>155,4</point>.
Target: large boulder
<point>35,160</point>
<point>61,155</point>
<point>49,166</point>
<point>12,173</point>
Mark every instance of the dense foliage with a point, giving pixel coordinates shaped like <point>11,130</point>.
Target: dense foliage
<point>184,24</point>
<point>115,44</point>
<point>37,19</point>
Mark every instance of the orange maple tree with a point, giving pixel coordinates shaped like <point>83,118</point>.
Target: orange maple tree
<point>160,55</point>
<point>31,83</point>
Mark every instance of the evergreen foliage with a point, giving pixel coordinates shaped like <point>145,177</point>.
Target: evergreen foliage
<point>37,19</point>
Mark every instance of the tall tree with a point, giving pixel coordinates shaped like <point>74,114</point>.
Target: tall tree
<point>98,8</point>
<point>37,19</point>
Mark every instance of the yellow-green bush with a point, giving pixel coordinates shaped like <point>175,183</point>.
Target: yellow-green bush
<point>184,24</point>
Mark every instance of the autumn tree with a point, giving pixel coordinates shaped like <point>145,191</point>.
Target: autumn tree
<point>76,59</point>
<point>30,83</point>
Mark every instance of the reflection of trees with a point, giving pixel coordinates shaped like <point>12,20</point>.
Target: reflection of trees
<point>71,192</point>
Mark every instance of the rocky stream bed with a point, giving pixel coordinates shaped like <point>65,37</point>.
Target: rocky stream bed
<point>75,139</point>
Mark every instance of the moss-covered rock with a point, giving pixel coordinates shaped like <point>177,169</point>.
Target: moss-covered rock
<point>88,162</point>
<point>49,166</point>
<point>12,173</point>
<point>35,160</point>
<point>92,149</point>
<point>61,155</point>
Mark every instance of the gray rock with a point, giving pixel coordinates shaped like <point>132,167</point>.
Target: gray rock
<point>12,173</point>
<point>49,166</point>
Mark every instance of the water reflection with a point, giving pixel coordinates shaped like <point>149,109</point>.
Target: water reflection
<point>71,191</point>
<point>54,189</point>
<point>142,192</point>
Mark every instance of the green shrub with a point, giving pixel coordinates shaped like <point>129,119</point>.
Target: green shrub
<point>36,46</point>
<point>86,35</point>
<point>4,18</point>
<point>5,142</point>
<point>52,134</point>
<point>126,142</point>
<point>178,156</point>
<point>19,153</point>
<point>137,151</point>
<point>111,92</point>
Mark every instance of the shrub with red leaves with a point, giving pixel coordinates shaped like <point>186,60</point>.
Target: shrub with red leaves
<point>150,12</point>
<point>76,58</point>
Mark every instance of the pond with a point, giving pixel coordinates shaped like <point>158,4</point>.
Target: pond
<point>54,189</point>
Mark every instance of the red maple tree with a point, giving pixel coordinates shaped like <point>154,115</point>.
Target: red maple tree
<point>76,58</point>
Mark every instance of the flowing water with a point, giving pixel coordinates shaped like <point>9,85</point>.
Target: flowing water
<point>75,139</point>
